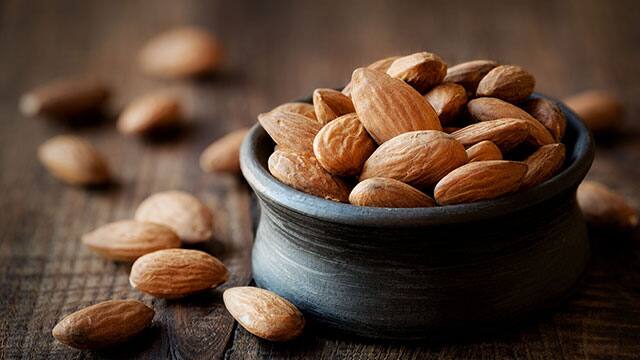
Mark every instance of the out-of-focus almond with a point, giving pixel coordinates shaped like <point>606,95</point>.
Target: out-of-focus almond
<point>543,164</point>
<point>549,114</point>
<point>150,112</point>
<point>64,98</point>
<point>303,172</point>
<point>264,313</point>
<point>469,74</point>
<point>301,108</point>
<point>480,180</point>
<point>127,240</point>
<point>605,208</point>
<point>388,107</point>
<point>175,273</point>
<point>343,145</point>
<point>510,83</point>
<point>224,153</point>
<point>74,161</point>
<point>290,130</point>
<point>504,133</point>
<point>418,158</point>
<point>380,65</point>
<point>447,99</point>
<point>483,151</point>
<point>104,324</point>
<point>182,212</point>
<point>600,110</point>
<point>330,104</point>
<point>390,193</point>
<point>421,70</point>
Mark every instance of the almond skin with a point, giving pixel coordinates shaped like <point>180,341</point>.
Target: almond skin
<point>304,172</point>
<point>127,240</point>
<point>418,158</point>
<point>547,113</point>
<point>469,74</point>
<point>179,53</point>
<point>389,193</point>
<point>605,208</point>
<point>343,145</point>
<point>543,164</point>
<point>182,212</point>
<point>290,130</point>
<point>481,180</point>
<point>330,104</point>
<point>510,83</point>
<point>448,100</point>
<point>504,133</point>
<point>104,324</point>
<point>298,108</point>
<point>176,273</point>
<point>150,112</point>
<point>388,107</point>
<point>62,98</point>
<point>483,151</point>
<point>74,161</point>
<point>600,110</point>
<point>421,70</point>
<point>264,313</point>
<point>380,65</point>
<point>223,155</point>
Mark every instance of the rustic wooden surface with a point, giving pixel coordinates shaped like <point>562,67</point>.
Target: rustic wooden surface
<point>277,51</point>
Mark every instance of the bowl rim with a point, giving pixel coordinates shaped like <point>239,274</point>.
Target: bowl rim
<point>271,190</point>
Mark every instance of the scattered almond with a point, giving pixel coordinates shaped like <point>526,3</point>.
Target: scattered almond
<point>290,130</point>
<point>224,154</point>
<point>64,98</point>
<point>605,208</point>
<point>547,113</point>
<point>380,65</point>
<point>330,104</point>
<point>505,133</point>
<point>448,100</point>
<point>305,109</point>
<point>600,110</point>
<point>150,112</point>
<point>469,74</point>
<point>390,193</point>
<point>543,164</point>
<point>421,70</point>
<point>74,161</point>
<point>510,83</point>
<point>483,151</point>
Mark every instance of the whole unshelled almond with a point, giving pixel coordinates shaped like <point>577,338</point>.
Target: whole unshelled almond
<point>127,240</point>
<point>469,74</point>
<point>510,83</point>
<point>421,70</point>
<point>380,65</point>
<point>549,114</point>
<point>301,108</point>
<point>504,133</point>
<point>605,208</point>
<point>343,145</point>
<point>150,112</point>
<point>543,164</point>
<point>418,158</point>
<point>73,160</point>
<point>447,99</point>
<point>180,52</point>
<point>175,273</point>
<point>330,104</point>
<point>600,110</point>
<point>224,153</point>
<point>182,212</point>
<point>290,130</point>
<point>483,151</point>
<point>264,313</point>
<point>481,180</point>
<point>303,172</point>
<point>390,193</point>
<point>104,324</point>
<point>64,98</point>
<point>388,107</point>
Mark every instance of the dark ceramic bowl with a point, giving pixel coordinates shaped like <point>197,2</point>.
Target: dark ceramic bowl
<point>412,273</point>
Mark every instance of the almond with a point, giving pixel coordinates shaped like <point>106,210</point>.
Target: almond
<point>543,164</point>
<point>389,193</point>
<point>264,313</point>
<point>180,52</point>
<point>182,212</point>
<point>304,172</point>
<point>290,130</point>
<point>388,107</point>
<point>469,74</point>
<point>103,324</point>
<point>600,110</point>
<point>605,208</point>
<point>150,112</point>
<point>127,240</point>
<point>483,151</point>
<point>298,108</point>
<point>549,114</point>
<point>484,109</point>
<point>505,133</point>
<point>448,100</point>
<point>330,104</point>
<point>510,83</point>
<point>380,65</point>
<point>418,158</point>
<point>481,180</point>
<point>175,273</point>
<point>73,160</point>
<point>68,97</point>
<point>450,129</point>
<point>224,153</point>
<point>421,70</point>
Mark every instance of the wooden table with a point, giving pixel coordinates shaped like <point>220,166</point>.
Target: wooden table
<point>278,51</point>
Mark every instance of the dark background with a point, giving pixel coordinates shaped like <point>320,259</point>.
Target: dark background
<point>277,51</point>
